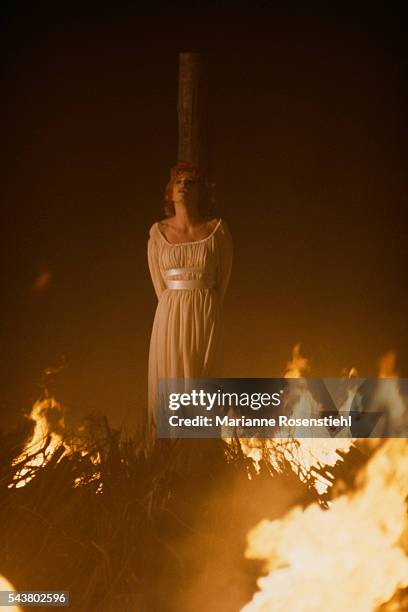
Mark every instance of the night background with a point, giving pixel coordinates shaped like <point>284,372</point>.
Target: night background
<point>307,132</point>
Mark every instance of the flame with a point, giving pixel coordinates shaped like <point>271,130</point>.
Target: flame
<point>5,585</point>
<point>298,366</point>
<point>81,481</point>
<point>45,440</point>
<point>388,398</point>
<point>386,365</point>
<point>309,458</point>
<point>347,557</point>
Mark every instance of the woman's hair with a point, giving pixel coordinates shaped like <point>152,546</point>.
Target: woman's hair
<point>206,199</point>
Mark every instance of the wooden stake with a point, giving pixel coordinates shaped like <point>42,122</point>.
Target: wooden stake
<point>191,108</point>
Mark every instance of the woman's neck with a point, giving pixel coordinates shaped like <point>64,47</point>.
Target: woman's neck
<point>186,216</point>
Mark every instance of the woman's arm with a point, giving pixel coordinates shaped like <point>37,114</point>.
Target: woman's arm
<point>154,267</point>
<point>226,253</point>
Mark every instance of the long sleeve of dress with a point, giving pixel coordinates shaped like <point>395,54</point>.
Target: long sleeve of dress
<point>153,260</point>
<point>226,253</point>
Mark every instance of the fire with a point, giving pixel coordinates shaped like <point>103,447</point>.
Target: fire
<point>309,458</point>
<point>48,439</point>
<point>96,476</point>
<point>388,398</point>
<point>298,366</point>
<point>5,585</point>
<point>387,365</point>
<point>47,415</point>
<point>347,557</point>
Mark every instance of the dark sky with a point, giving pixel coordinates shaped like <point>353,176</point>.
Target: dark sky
<point>308,141</point>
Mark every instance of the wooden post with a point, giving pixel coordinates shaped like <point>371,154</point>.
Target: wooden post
<point>191,108</point>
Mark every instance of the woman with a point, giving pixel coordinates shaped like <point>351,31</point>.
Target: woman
<point>190,258</point>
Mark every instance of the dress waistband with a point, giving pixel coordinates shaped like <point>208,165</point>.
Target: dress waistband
<point>206,282</point>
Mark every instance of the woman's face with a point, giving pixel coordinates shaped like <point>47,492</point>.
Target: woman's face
<point>185,188</point>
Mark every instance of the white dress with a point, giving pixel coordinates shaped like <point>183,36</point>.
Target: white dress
<point>190,280</point>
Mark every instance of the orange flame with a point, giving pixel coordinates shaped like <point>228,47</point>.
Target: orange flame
<point>44,441</point>
<point>349,557</point>
<point>298,366</point>
<point>47,438</point>
<point>387,365</point>
<point>307,457</point>
<point>5,585</point>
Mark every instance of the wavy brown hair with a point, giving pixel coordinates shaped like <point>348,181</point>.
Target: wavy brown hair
<point>206,200</point>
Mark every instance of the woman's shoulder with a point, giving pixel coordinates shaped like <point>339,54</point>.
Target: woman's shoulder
<point>161,225</point>
<point>155,229</point>
<point>223,228</point>
<point>213,222</point>
<point>166,222</point>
